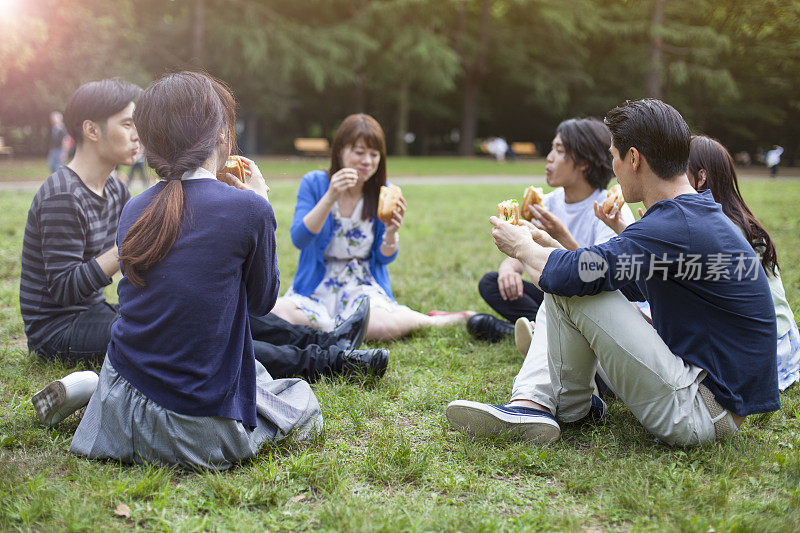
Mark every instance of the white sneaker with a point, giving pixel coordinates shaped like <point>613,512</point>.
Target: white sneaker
<point>64,396</point>
<point>523,334</point>
<point>486,420</point>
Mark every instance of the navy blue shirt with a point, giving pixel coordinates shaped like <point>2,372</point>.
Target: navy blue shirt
<point>708,294</point>
<point>183,339</point>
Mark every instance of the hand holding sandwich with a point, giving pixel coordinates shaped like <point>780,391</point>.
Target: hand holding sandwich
<point>251,181</point>
<point>547,221</point>
<point>510,238</point>
<point>391,211</point>
<point>518,241</point>
<point>612,219</point>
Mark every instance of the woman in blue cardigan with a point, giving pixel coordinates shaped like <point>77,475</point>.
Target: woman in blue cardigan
<point>344,248</point>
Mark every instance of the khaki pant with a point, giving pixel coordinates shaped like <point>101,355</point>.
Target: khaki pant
<point>662,390</point>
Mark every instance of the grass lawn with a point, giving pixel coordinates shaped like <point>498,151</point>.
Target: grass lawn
<point>288,167</point>
<point>388,460</point>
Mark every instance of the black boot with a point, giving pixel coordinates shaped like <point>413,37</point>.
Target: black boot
<point>350,333</point>
<point>488,328</point>
<point>368,362</point>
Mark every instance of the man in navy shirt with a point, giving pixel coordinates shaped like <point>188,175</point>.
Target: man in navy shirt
<point>707,359</point>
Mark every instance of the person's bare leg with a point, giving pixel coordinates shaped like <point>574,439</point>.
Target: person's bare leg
<point>287,310</point>
<point>387,325</point>
<point>531,404</point>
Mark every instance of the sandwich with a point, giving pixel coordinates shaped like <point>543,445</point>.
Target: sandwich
<point>387,202</point>
<point>235,166</point>
<point>533,196</point>
<point>613,197</point>
<point>509,211</point>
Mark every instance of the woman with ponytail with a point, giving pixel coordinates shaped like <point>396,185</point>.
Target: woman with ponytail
<point>180,384</point>
<point>711,167</point>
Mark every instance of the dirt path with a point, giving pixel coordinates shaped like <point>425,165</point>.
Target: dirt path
<point>499,179</point>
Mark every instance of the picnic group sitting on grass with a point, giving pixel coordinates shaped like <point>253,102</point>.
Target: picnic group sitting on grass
<point>203,363</point>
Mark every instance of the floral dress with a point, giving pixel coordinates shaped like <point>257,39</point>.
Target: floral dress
<point>347,275</point>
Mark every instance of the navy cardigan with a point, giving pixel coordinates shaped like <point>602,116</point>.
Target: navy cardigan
<point>311,265</point>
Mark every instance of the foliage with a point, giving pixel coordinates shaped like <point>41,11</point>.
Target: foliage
<point>485,67</point>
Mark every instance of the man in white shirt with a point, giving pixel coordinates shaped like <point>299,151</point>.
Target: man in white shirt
<point>579,164</point>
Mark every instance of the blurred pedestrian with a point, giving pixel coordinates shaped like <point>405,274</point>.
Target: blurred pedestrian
<point>138,167</point>
<point>57,153</point>
<point>497,146</point>
<point>773,159</point>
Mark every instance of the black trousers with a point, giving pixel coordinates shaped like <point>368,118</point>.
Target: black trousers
<point>285,349</point>
<point>527,305</point>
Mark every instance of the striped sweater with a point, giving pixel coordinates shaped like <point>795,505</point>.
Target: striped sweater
<point>68,227</point>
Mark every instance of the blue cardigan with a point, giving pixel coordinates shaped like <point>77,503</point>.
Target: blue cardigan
<point>184,339</point>
<point>311,265</point>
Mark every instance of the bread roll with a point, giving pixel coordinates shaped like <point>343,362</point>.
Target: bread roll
<point>533,196</point>
<point>613,197</point>
<point>235,166</point>
<point>387,202</point>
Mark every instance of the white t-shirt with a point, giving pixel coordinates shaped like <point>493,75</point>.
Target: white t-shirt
<point>579,217</point>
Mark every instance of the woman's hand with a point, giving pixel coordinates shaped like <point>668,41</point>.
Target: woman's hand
<point>344,179</point>
<point>547,221</point>
<point>256,183</point>
<point>613,219</point>
<point>397,216</point>
<point>509,238</point>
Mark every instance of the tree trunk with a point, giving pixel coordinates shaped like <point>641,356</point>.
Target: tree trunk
<point>400,147</point>
<point>251,135</point>
<point>654,82</point>
<point>198,35</point>
<point>473,77</point>
<point>469,117</point>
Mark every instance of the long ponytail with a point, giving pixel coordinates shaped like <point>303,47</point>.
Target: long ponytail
<point>711,156</point>
<point>179,119</point>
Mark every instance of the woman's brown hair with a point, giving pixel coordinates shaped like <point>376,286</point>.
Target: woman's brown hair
<point>179,119</point>
<point>353,128</point>
<point>709,155</point>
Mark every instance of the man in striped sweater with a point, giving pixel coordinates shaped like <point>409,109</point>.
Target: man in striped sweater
<point>68,253</point>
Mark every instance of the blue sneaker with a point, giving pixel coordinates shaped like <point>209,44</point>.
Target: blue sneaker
<point>486,420</point>
<point>596,411</point>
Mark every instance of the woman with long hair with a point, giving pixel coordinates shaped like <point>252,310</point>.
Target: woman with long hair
<point>711,167</point>
<point>344,247</point>
<point>180,384</point>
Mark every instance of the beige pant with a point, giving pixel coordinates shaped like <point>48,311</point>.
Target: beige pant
<point>660,388</point>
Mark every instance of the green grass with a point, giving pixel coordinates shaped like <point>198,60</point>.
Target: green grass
<point>388,460</point>
<point>286,167</point>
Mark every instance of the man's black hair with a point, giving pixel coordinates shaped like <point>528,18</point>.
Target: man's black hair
<point>586,141</point>
<point>96,101</point>
<point>656,130</point>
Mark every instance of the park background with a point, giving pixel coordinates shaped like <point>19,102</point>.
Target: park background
<point>388,460</point>
<point>448,71</point>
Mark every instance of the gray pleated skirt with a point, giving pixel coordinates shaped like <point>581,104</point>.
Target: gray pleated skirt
<point>122,423</point>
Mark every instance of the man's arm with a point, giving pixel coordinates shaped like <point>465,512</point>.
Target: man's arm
<point>70,280</point>
<point>109,261</point>
<point>587,271</point>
